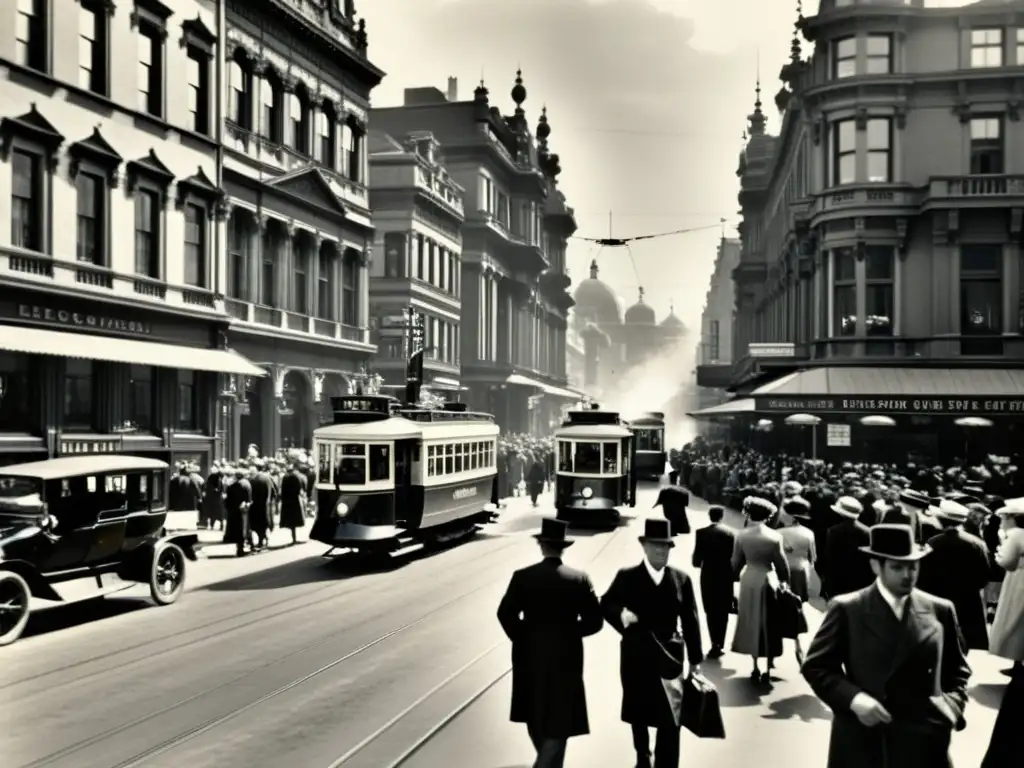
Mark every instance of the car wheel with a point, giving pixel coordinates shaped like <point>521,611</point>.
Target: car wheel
<point>167,574</point>
<point>15,597</point>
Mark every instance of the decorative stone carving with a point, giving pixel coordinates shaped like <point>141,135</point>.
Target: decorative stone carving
<point>901,237</point>
<point>900,116</point>
<point>861,118</point>
<point>318,386</point>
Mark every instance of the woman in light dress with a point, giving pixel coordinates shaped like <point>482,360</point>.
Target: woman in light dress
<point>798,545</point>
<point>1006,637</point>
<point>759,560</point>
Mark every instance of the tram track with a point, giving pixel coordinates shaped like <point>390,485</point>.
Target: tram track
<point>344,587</point>
<point>69,754</point>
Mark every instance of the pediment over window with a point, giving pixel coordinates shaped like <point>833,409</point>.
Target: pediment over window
<point>95,149</point>
<point>195,32</point>
<point>31,126</point>
<point>149,167</point>
<point>199,185</point>
<point>310,185</point>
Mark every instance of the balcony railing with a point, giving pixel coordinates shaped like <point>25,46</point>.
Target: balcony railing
<point>295,322</point>
<point>89,278</point>
<point>982,185</point>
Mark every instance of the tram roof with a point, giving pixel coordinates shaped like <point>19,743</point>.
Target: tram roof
<point>394,428</point>
<point>600,431</point>
<point>647,421</point>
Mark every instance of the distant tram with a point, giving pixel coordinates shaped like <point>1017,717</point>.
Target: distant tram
<point>595,471</point>
<point>392,477</point>
<point>649,437</point>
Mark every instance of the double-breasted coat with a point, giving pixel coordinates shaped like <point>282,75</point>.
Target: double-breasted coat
<point>915,667</point>
<point>957,569</point>
<point>546,612</point>
<point>663,610</point>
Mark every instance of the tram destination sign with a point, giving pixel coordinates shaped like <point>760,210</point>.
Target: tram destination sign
<point>886,404</point>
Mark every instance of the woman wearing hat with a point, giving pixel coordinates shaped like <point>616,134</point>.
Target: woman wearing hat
<point>798,545</point>
<point>758,552</point>
<point>1006,638</point>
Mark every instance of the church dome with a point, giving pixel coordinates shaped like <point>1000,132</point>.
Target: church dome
<point>673,322</point>
<point>640,313</point>
<point>596,302</point>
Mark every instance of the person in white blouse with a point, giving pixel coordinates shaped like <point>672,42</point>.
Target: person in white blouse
<point>798,546</point>
<point>1006,637</point>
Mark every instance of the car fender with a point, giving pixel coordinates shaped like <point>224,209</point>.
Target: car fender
<point>136,566</point>
<point>37,583</point>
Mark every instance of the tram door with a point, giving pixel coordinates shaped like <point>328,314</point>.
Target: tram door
<point>407,513</point>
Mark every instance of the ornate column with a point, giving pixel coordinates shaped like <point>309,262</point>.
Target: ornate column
<point>313,286</point>
<point>363,291</point>
<point>283,268</point>
<point>261,237</point>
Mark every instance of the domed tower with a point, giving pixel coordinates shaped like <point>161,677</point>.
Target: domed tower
<point>640,324</point>
<point>597,303</point>
<point>672,329</point>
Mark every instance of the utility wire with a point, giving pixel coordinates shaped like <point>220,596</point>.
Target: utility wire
<point>619,242</point>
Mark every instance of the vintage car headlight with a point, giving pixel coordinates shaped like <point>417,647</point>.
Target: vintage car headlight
<point>341,509</point>
<point>587,492</point>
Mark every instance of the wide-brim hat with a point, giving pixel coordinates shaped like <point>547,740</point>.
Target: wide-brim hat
<point>657,531</point>
<point>951,510</point>
<point>1011,508</point>
<point>553,532</point>
<point>847,506</point>
<point>797,507</point>
<point>894,542</point>
<point>759,508</point>
<point>915,499</point>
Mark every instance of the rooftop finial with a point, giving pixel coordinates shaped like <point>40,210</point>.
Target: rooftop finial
<point>757,118</point>
<point>640,291</point>
<point>519,90</point>
<point>795,51</point>
<point>593,269</point>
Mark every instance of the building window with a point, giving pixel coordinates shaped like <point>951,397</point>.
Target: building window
<point>92,46</point>
<point>981,299</point>
<point>151,76</point>
<point>300,279</point>
<point>91,193</point>
<point>26,201</point>
<point>188,392</point>
<point>353,134</point>
<point>844,152</point>
<point>327,133</point>
<point>1020,47</point>
<point>17,385</point>
<point>78,410</point>
<point>30,35</point>
<point>879,54</point>
<point>349,290</point>
<point>421,250</point>
<point>486,194</point>
<point>270,108</point>
<point>147,233</point>
<point>844,292</point>
<point>198,91</point>
<point>240,92</point>
<point>238,253</point>
<point>324,299</point>
<point>986,48</point>
<point>880,296</point>
<point>298,119</point>
<point>986,145</point>
<point>879,132</point>
<point>268,273</point>
<point>714,341</point>
<point>140,397</point>
<point>195,245</point>
<point>394,254</point>
<point>844,57</point>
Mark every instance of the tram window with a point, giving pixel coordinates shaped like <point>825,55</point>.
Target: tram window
<point>656,440</point>
<point>564,456</point>
<point>380,462</point>
<point>351,466</point>
<point>588,458</point>
<point>323,474</point>
<point>610,458</point>
<point>449,459</point>
<point>490,454</point>
<point>431,460</point>
<point>459,456</point>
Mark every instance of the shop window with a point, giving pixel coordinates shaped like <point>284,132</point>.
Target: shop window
<point>981,299</point>
<point>16,387</point>
<point>78,394</point>
<point>844,292</point>
<point>188,396</point>
<point>140,397</point>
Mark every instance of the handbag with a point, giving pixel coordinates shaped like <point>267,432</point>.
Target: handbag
<point>701,712</point>
<point>792,622</point>
<point>669,657</point>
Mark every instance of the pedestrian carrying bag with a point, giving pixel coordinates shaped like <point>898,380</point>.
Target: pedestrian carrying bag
<point>669,657</point>
<point>701,710</point>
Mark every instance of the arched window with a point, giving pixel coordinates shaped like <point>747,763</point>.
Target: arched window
<point>240,91</point>
<point>270,107</point>
<point>298,119</point>
<point>353,138</point>
<point>327,134</point>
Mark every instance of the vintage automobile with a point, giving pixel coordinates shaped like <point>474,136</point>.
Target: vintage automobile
<point>97,517</point>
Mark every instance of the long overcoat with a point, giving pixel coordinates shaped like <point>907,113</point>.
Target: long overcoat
<point>712,554</point>
<point>236,521</point>
<point>957,569</point>
<point>546,612</point>
<point>293,485</point>
<point>847,568</point>
<point>662,609</point>
<point>915,667</point>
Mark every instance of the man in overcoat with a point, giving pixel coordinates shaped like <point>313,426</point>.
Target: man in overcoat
<point>649,604</point>
<point>846,570</point>
<point>957,569</point>
<point>673,501</point>
<point>546,612</point>
<point>889,662</point>
<point>908,511</point>
<point>712,554</point>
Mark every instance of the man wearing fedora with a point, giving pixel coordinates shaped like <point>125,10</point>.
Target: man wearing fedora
<point>653,606</point>
<point>845,570</point>
<point>958,570</point>
<point>546,612</point>
<point>889,662</point>
<point>910,510</point>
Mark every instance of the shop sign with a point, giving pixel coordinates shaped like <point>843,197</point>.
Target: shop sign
<point>39,313</point>
<point>838,436</point>
<point>932,406</point>
<point>84,446</point>
<point>771,349</point>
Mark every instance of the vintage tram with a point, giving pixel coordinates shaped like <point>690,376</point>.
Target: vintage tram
<point>595,465</point>
<point>392,477</point>
<point>649,440</point>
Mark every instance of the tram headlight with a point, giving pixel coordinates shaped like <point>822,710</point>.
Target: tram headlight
<point>587,492</point>
<point>341,510</point>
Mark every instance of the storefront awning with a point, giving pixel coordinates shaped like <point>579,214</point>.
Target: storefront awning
<point>560,392</point>
<point>523,381</point>
<point>732,408</point>
<point>37,341</point>
<point>927,391</point>
<point>446,384</point>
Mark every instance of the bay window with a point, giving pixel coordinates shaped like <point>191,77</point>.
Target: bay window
<point>879,133</point>
<point>844,292</point>
<point>844,152</point>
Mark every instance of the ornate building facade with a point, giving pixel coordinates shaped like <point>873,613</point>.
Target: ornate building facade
<point>113,336</point>
<point>715,348</point>
<point>513,278</point>
<point>297,85</point>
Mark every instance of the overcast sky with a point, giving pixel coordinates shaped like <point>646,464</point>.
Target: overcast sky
<point>647,101</point>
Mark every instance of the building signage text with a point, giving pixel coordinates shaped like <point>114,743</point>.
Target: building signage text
<point>51,316</point>
<point>464,493</point>
<point>952,406</point>
<point>762,350</point>
<point>77,446</point>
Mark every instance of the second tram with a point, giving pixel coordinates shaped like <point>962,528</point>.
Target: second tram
<point>649,436</point>
<point>595,465</point>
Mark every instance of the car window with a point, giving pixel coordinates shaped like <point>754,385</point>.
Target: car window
<point>159,484</point>
<point>138,492</point>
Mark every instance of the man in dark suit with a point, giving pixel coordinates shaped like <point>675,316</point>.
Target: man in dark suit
<point>846,570</point>
<point>673,501</point>
<point>712,554</point>
<point>908,511</point>
<point>546,612</point>
<point>648,604</point>
<point>889,662</point>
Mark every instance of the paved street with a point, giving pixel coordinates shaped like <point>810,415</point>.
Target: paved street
<point>311,663</point>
